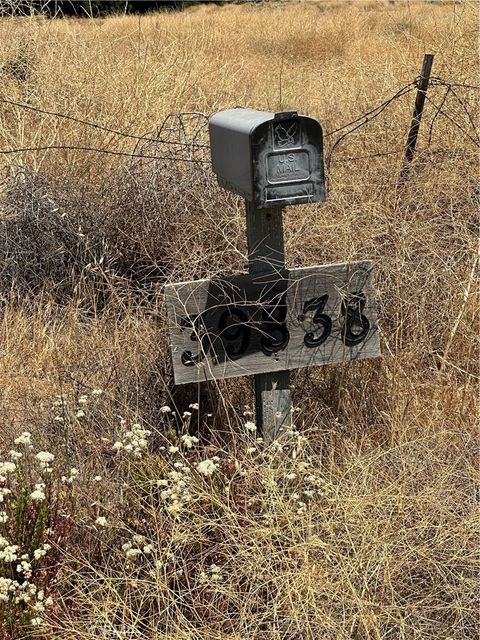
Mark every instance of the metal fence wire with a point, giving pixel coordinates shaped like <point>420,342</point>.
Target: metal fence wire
<point>183,136</point>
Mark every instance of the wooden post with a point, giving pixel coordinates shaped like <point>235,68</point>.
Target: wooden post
<point>417,114</point>
<point>266,254</point>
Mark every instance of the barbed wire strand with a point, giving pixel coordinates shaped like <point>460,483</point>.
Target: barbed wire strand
<point>397,94</point>
<point>430,130</point>
<point>95,125</point>
<point>98,150</point>
<point>437,80</point>
<point>351,126</point>
<point>453,121</point>
<point>371,115</point>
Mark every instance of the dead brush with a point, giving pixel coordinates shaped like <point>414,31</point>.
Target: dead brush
<point>43,247</point>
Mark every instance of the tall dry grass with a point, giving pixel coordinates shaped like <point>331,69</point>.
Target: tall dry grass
<point>386,545</point>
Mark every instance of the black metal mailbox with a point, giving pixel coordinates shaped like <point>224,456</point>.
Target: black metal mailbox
<point>271,159</point>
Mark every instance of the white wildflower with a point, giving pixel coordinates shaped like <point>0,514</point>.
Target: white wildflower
<point>39,494</point>
<point>215,573</point>
<point>132,554</point>
<point>5,588</point>
<point>207,467</point>
<point>97,392</point>
<point>80,414</point>
<point>73,474</point>
<point>36,622</point>
<point>7,467</point>
<point>173,449</point>
<point>83,399</point>
<point>189,441</point>
<point>4,491</point>
<point>193,406</point>
<point>9,553</point>
<point>24,438</point>
<point>251,427</point>
<point>101,521</point>
<point>15,455</point>
<point>134,440</point>
<point>25,568</point>
<point>186,414</point>
<point>45,457</point>
<point>3,517</point>
<point>165,409</point>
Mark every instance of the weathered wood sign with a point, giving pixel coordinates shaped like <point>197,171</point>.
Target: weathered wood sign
<point>250,324</point>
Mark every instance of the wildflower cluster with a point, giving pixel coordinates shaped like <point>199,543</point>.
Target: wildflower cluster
<point>250,427</point>
<point>137,547</point>
<point>212,575</point>
<point>27,482</point>
<point>189,441</point>
<point>45,458</point>
<point>71,477</point>
<point>176,492</point>
<point>308,485</point>
<point>134,441</point>
<point>209,466</point>
<point>76,409</point>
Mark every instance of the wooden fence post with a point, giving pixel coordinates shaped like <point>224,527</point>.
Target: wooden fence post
<point>266,254</point>
<point>417,115</point>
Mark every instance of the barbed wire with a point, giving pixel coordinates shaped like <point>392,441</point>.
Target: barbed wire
<point>440,111</point>
<point>66,147</point>
<point>367,117</point>
<point>179,128</point>
<point>95,125</point>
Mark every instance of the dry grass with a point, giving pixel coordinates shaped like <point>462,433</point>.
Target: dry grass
<point>386,549</point>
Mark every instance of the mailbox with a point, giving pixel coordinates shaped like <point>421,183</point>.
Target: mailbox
<point>271,159</point>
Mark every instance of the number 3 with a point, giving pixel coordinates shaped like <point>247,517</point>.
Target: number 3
<point>319,318</point>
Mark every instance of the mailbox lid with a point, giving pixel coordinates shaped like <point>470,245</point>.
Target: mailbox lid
<point>231,150</point>
<point>288,161</point>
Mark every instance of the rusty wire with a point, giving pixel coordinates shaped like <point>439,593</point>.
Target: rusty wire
<point>182,136</point>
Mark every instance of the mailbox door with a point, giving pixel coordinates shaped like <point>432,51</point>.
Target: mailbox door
<point>287,154</point>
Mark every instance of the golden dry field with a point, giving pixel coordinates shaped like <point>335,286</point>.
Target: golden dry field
<point>123,520</point>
